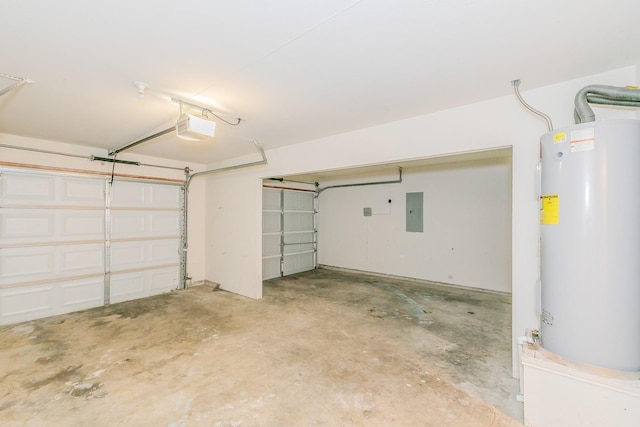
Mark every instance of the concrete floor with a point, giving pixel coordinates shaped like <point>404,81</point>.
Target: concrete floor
<point>323,348</point>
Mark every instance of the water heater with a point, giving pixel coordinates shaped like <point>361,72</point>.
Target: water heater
<point>590,243</point>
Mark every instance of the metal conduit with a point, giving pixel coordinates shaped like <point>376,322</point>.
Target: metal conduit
<point>359,184</point>
<point>140,141</point>
<point>35,150</point>
<point>19,82</point>
<point>283,180</point>
<point>185,247</point>
<point>547,119</point>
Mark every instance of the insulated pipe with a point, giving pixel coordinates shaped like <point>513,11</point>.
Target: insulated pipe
<point>594,99</point>
<point>602,94</point>
<point>185,247</point>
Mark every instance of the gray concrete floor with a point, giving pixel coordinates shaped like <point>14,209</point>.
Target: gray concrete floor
<point>322,348</point>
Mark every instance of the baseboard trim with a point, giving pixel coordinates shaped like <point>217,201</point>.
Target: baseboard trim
<point>411,279</point>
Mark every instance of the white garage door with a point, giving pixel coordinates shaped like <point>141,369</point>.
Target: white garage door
<point>71,242</point>
<point>289,232</point>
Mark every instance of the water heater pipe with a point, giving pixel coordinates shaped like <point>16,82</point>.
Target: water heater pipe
<point>546,118</point>
<point>602,94</point>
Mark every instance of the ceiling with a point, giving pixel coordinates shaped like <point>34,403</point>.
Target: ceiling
<point>389,171</point>
<point>292,70</point>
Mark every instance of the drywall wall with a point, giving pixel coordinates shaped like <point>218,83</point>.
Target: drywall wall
<point>234,252</point>
<point>196,258</point>
<point>466,237</point>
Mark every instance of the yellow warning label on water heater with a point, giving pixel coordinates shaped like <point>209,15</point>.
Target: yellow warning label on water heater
<point>549,210</point>
<point>559,137</point>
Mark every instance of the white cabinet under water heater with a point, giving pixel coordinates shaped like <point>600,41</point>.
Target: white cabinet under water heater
<point>590,243</point>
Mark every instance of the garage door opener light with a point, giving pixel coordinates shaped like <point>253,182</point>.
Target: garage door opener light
<point>197,128</point>
<point>194,128</point>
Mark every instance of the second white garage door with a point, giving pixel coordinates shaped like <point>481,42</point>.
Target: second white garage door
<point>289,232</point>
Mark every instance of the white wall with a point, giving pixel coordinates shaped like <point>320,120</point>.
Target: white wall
<point>467,225</point>
<point>196,258</point>
<point>234,251</point>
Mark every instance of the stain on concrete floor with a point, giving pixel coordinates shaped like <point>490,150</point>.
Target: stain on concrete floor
<point>322,348</point>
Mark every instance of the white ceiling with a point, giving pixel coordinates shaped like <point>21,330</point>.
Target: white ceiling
<point>293,70</point>
<point>389,171</point>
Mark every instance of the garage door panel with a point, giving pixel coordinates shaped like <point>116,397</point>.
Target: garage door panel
<point>25,189</point>
<point>140,284</point>
<point>270,245</point>
<point>270,199</point>
<point>18,224</point>
<point>138,194</point>
<point>167,196</point>
<point>22,226</point>
<point>20,304</point>
<point>164,223</point>
<point>298,242</point>
<point>82,191</point>
<point>140,224</point>
<point>127,224</point>
<point>127,286</point>
<point>143,254</point>
<point>37,226</point>
<point>36,301</point>
<point>163,251</point>
<point>297,263</point>
<point>270,222</point>
<point>17,188</point>
<point>270,268</point>
<point>163,280</point>
<point>127,255</point>
<point>127,194</point>
<point>295,221</point>
<point>82,294</point>
<point>86,224</point>
<point>81,259</point>
<point>25,264</point>
<point>298,201</point>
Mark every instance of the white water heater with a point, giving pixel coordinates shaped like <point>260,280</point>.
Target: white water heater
<point>590,243</point>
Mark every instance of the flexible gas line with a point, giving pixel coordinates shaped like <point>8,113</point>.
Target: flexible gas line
<point>515,84</point>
